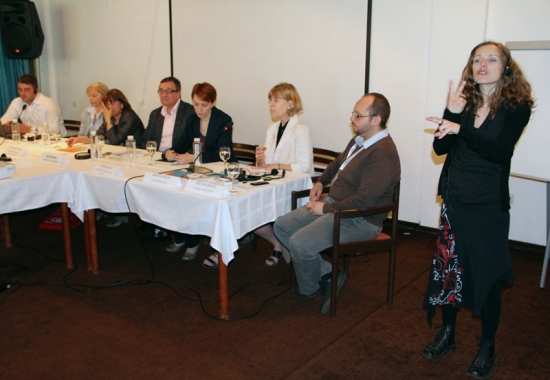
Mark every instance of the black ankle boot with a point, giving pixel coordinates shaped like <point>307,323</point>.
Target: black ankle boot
<point>443,343</point>
<point>485,361</point>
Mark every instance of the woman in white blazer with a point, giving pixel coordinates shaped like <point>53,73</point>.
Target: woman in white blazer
<point>288,146</point>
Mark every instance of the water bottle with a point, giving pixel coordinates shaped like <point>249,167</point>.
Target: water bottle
<point>15,132</point>
<point>131,150</point>
<point>197,150</point>
<point>94,146</point>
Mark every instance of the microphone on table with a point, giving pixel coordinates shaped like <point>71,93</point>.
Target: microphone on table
<point>199,169</point>
<point>22,110</point>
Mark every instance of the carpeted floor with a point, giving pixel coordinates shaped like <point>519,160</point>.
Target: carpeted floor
<point>141,318</point>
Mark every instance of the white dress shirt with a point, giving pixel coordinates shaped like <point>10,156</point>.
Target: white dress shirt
<point>42,110</point>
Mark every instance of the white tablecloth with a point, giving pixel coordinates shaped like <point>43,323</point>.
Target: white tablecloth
<point>37,183</point>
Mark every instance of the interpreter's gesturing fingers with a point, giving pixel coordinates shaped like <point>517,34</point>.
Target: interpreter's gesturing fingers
<point>455,99</point>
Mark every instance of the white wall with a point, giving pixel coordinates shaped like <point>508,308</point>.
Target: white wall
<point>123,43</point>
<point>417,48</point>
<point>244,48</point>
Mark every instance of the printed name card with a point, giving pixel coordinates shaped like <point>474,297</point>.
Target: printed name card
<point>17,152</point>
<point>163,180</point>
<point>206,188</point>
<point>107,170</point>
<point>56,158</point>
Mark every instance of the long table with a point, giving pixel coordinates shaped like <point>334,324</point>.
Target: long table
<point>224,220</point>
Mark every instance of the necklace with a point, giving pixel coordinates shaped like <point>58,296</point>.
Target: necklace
<point>204,126</point>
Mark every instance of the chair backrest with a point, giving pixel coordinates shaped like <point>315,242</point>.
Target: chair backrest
<point>245,152</point>
<point>72,127</point>
<point>321,159</point>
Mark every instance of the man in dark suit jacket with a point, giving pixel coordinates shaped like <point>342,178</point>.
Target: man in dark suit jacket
<point>167,123</point>
<point>166,126</point>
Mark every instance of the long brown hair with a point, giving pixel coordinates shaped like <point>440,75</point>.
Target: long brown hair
<point>512,87</point>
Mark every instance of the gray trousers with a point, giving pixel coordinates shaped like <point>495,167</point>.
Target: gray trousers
<point>305,235</point>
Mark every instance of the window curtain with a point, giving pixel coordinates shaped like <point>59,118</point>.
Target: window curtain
<point>10,71</point>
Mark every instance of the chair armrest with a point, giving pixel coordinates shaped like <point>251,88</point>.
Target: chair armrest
<point>384,209</point>
<point>303,194</point>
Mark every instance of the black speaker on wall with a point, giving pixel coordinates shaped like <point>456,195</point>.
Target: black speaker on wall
<point>22,34</point>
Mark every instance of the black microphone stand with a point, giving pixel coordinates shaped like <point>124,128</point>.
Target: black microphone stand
<point>201,169</point>
<point>198,169</point>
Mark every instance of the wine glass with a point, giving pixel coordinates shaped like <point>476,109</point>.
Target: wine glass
<point>151,147</point>
<point>56,134</point>
<point>225,153</point>
<point>233,171</point>
<point>101,143</point>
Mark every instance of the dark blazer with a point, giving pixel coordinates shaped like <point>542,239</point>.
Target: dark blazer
<point>156,123</point>
<point>216,136</point>
<point>129,124</point>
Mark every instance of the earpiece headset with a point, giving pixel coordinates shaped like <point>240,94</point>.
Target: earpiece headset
<point>507,70</point>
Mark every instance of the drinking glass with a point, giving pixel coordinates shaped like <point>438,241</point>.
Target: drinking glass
<point>225,153</point>
<point>56,134</point>
<point>233,171</point>
<point>151,147</point>
<point>45,134</point>
<point>101,144</point>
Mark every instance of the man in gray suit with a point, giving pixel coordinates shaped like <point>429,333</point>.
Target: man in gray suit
<point>167,123</point>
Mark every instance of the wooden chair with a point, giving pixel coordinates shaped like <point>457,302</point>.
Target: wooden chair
<point>382,242</point>
<point>321,159</point>
<point>245,152</point>
<point>72,127</point>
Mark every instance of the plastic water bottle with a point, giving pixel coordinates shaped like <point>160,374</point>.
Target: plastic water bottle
<point>131,150</point>
<point>15,132</point>
<point>94,146</point>
<point>197,150</point>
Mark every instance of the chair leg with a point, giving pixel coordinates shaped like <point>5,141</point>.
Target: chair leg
<point>334,285</point>
<point>391,277</point>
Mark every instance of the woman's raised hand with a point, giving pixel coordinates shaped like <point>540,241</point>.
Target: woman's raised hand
<point>455,100</point>
<point>106,113</point>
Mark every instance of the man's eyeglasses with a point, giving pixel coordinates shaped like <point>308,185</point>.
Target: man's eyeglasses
<point>167,91</point>
<point>354,115</point>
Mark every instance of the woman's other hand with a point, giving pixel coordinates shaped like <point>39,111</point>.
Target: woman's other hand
<point>260,155</point>
<point>185,158</point>
<point>455,100</point>
<point>445,127</point>
<point>78,139</point>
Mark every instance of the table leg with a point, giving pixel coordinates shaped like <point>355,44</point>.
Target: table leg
<point>66,226</point>
<point>6,230</point>
<point>223,288</point>
<point>94,257</point>
<point>87,245</point>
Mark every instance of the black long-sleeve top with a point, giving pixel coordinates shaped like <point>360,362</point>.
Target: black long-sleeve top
<point>478,161</point>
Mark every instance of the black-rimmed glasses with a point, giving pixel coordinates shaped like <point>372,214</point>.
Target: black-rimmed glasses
<point>167,91</point>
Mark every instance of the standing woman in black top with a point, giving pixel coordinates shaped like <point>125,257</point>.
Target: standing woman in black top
<point>484,119</point>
